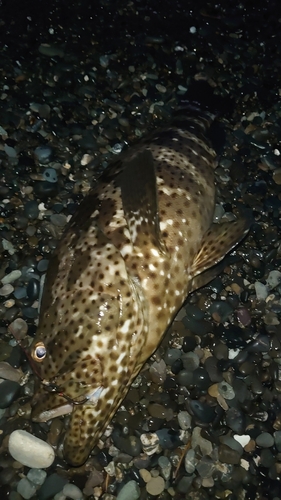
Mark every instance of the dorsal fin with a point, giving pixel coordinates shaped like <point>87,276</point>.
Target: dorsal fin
<point>140,203</point>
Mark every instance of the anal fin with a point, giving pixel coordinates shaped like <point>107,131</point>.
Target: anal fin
<point>216,243</point>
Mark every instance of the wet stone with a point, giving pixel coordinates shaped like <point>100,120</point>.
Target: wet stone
<point>265,440</point>
<point>29,450</point>
<point>226,391</point>
<point>165,466</point>
<point>185,378</point>
<point>227,455</point>
<point>189,344</point>
<point>36,476</point>
<point>130,491</point>
<point>236,420</point>
<point>201,379</point>
<point>184,420</point>
<point>72,491</point>
<point>205,467</point>
<point>18,328</point>
<point>43,265</point>
<point>25,488</point>
<point>190,461</point>
<point>33,289</point>
<point>202,411</point>
<point>53,485</point>
<point>50,175</point>
<point>221,310</point>
<point>130,445</point>
<point>9,391</point>
<point>31,210</point>
<point>172,355</point>
<point>168,439</point>
<point>155,486</point>
<point>260,344</point>
<point>190,361</point>
<point>43,154</point>
<point>45,189</point>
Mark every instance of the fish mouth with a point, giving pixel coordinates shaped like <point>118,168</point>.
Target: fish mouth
<point>47,404</point>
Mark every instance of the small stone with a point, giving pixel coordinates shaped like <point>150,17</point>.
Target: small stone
<point>72,491</point>
<point>157,372</point>
<point>184,420</point>
<point>261,290</point>
<point>265,440</point>
<point>25,488</point>
<point>36,476</point>
<point>145,474</point>
<point>11,277</point>
<point>50,175</point>
<point>30,451</point>
<point>155,486</point>
<point>6,290</point>
<point>226,391</point>
<point>229,456</point>
<point>190,461</point>
<point>54,484</point>
<point>9,391</point>
<point>18,328</point>
<point>130,491</point>
<point>150,443</point>
<point>43,153</point>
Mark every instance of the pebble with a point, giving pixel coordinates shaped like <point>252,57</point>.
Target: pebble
<point>130,491</point>
<point>54,484</point>
<point>43,154</point>
<point>30,450</point>
<point>11,277</point>
<point>265,440</point>
<point>50,175</point>
<point>184,420</point>
<point>25,488</point>
<point>18,328</point>
<point>36,476</point>
<point>190,461</point>
<point>261,290</point>
<point>226,391</point>
<point>72,491</point>
<point>9,391</point>
<point>155,486</point>
<point>6,290</point>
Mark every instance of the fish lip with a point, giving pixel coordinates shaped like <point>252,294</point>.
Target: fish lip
<point>64,408</point>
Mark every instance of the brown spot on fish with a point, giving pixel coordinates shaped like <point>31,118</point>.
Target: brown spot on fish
<point>138,244</point>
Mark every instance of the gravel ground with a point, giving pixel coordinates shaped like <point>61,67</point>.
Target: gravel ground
<point>78,84</point>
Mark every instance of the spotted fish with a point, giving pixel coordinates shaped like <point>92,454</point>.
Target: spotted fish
<point>139,243</point>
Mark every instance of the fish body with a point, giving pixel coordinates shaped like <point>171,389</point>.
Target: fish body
<point>139,243</point>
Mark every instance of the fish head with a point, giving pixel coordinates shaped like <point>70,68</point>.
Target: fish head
<point>83,358</point>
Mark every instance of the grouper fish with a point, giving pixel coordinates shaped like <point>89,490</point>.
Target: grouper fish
<point>139,243</point>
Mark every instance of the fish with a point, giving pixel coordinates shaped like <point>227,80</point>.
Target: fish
<point>139,243</point>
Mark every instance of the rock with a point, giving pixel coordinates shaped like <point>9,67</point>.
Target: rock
<point>30,451</point>
<point>155,486</point>
<point>130,491</point>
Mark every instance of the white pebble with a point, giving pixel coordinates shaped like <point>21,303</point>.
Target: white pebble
<point>30,451</point>
<point>72,491</point>
<point>11,277</point>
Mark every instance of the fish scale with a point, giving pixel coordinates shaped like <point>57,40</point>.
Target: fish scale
<point>137,245</point>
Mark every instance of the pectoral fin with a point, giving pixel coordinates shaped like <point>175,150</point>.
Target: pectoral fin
<point>217,242</point>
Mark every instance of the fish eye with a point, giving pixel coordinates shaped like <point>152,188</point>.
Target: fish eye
<point>39,352</point>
